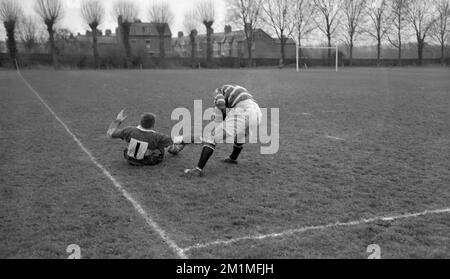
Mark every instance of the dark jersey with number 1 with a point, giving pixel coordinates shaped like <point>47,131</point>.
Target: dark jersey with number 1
<point>145,147</point>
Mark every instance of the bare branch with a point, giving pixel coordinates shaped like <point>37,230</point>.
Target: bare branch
<point>278,16</point>
<point>126,9</point>
<point>93,13</point>
<point>28,31</point>
<point>190,22</point>
<point>330,11</point>
<point>10,10</point>
<point>50,11</point>
<point>441,28</point>
<point>246,13</point>
<point>160,12</point>
<point>353,13</point>
<point>378,15</point>
<point>399,10</point>
<point>206,11</point>
<point>421,17</point>
<point>304,13</point>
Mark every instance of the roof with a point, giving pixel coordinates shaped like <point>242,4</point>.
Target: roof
<point>102,40</point>
<point>148,29</point>
<point>239,36</point>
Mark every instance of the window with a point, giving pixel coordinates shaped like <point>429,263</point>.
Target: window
<point>133,41</point>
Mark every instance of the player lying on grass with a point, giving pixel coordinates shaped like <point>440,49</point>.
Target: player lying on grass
<point>145,146</point>
<point>237,111</point>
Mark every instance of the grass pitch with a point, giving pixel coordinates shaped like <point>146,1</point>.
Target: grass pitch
<point>393,158</point>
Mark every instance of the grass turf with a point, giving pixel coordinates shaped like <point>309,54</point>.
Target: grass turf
<point>394,159</point>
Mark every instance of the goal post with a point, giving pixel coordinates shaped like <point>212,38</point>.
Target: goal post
<point>336,48</point>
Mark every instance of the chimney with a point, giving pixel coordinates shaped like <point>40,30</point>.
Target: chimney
<point>228,29</point>
<point>180,35</point>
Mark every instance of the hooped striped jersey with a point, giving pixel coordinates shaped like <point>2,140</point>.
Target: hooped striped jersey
<point>231,95</point>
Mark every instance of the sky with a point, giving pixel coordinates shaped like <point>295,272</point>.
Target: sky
<point>73,21</point>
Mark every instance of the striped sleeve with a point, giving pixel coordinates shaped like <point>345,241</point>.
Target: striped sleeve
<point>235,94</point>
<point>219,99</point>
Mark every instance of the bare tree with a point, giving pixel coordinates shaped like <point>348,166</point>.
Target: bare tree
<point>191,25</point>
<point>304,12</point>
<point>161,14</point>
<point>441,28</point>
<point>10,13</point>
<point>422,19</point>
<point>51,12</point>
<point>247,13</point>
<point>378,15</point>
<point>353,13</point>
<point>28,32</point>
<point>279,17</point>
<point>126,12</point>
<point>398,17</point>
<point>93,13</point>
<point>330,12</point>
<point>206,12</point>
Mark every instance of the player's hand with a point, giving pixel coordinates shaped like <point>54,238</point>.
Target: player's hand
<point>121,116</point>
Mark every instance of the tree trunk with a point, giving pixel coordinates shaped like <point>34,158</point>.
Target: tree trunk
<point>329,49</point>
<point>53,50</point>
<point>399,48</point>
<point>443,54</point>
<point>95,48</point>
<point>10,27</point>
<point>193,49</point>
<point>209,46</point>
<point>162,47</point>
<point>378,52</point>
<point>351,53</point>
<point>249,49</point>
<point>126,43</point>
<point>299,50</point>
<point>420,45</point>
<point>282,51</point>
<point>161,28</point>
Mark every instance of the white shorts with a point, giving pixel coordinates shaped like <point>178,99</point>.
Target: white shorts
<point>240,125</point>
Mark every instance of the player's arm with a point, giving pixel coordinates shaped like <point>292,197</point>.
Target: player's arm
<point>173,146</point>
<point>113,130</point>
<point>220,103</point>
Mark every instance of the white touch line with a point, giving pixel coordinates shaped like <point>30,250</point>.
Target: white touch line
<point>312,228</point>
<point>334,138</point>
<point>178,251</point>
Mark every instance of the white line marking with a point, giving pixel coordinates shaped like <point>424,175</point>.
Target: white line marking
<point>148,219</point>
<point>312,228</point>
<point>334,138</point>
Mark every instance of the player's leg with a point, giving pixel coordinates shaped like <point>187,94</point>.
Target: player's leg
<point>237,149</point>
<point>241,130</point>
<point>209,146</point>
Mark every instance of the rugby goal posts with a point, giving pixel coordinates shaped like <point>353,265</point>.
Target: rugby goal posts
<point>336,48</point>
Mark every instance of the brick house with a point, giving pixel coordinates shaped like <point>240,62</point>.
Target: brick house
<point>144,38</point>
<point>233,44</point>
<point>106,42</point>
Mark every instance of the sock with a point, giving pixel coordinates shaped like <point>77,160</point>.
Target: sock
<point>236,151</point>
<point>207,152</point>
